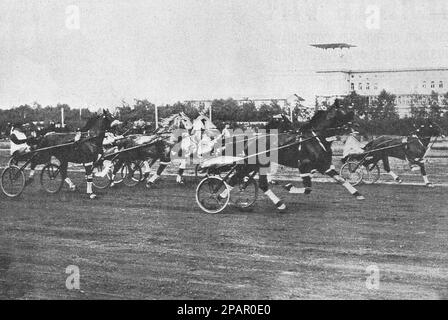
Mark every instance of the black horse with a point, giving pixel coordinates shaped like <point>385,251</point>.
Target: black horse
<point>84,147</point>
<point>413,149</point>
<point>308,149</point>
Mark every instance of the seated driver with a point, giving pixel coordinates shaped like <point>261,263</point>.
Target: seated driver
<point>20,143</point>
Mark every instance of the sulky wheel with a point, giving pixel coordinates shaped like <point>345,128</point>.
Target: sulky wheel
<point>51,178</point>
<point>13,161</point>
<point>371,173</point>
<point>101,178</point>
<point>245,194</point>
<point>12,181</point>
<point>352,172</point>
<point>212,195</point>
<point>132,173</point>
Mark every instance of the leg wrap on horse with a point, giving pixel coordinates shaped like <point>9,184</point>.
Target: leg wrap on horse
<point>307,184</point>
<point>346,185</point>
<point>183,164</point>
<point>394,176</point>
<point>276,200</point>
<point>70,183</point>
<point>89,179</point>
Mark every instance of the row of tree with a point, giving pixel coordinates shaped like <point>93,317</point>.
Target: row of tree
<point>377,116</point>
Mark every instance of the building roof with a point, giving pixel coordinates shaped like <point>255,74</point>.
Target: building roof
<point>326,46</point>
<point>384,70</point>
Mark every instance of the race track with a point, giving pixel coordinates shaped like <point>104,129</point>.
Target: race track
<point>156,244</point>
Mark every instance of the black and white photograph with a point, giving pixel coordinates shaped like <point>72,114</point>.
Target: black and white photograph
<point>201,150</point>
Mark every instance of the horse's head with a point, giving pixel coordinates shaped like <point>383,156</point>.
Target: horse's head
<point>99,123</point>
<point>280,123</point>
<point>331,121</point>
<point>429,129</point>
<point>185,122</point>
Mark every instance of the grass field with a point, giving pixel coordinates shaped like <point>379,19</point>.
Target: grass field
<point>156,244</point>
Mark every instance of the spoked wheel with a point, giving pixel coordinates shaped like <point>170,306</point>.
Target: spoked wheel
<point>13,161</point>
<point>132,173</point>
<point>51,178</point>
<point>101,178</point>
<point>245,194</point>
<point>352,172</point>
<point>13,181</point>
<point>371,173</point>
<point>212,195</point>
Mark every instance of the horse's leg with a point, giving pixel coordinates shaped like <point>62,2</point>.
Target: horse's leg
<point>64,168</point>
<point>147,168</point>
<point>118,164</point>
<point>33,166</point>
<point>335,175</point>
<point>425,177</point>
<point>264,186</point>
<point>241,172</point>
<point>32,170</point>
<point>386,165</point>
<point>180,172</point>
<point>150,181</point>
<point>305,168</point>
<point>89,179</point>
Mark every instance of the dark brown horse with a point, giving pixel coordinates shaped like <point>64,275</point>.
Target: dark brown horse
<point>83,148</point>
<point>308,149</point>
<point>413,149</point>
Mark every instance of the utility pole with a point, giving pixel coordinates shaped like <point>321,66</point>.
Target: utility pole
<point>157,117</point>
<point>210,112</point>
<point>62,117</point>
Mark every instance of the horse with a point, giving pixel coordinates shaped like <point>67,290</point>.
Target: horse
<point>308,149</point>
<point>189,143</point>
<point>413,148</point>
<point>152,147</point>
<point>177,148</point>
<point>84,147</point>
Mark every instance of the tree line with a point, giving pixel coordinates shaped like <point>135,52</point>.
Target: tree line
<point>379,116</point>
<point>375,117</point>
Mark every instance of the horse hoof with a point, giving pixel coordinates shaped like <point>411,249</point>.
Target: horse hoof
<point>93,196</point>
<point>281,207</point>
<point>112,184</point>
<point>149,185</point>
<point>288,187</point>
<point>429,185</point>
<point>399,181</point>
<point>360,198</point>
<point>73,189</point>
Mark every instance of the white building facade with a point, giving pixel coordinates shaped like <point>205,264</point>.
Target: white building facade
<point>406,84</point>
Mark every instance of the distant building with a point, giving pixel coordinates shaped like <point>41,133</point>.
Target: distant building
<point>406,84</point>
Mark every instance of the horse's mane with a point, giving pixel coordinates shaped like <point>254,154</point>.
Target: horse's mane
<point>89,124</point>
<point>313,121</point>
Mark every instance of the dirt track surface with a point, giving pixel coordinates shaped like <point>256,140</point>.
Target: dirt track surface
<point>156,244</point>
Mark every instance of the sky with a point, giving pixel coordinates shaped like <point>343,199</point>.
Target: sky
<point>96,53</point>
